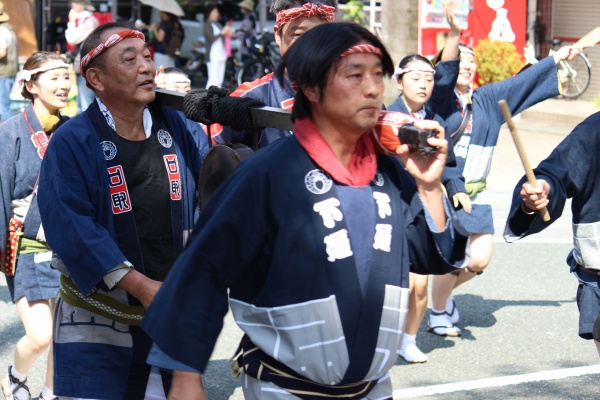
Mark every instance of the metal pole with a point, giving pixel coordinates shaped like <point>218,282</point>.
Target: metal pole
<point>114,9</point>
<point>372,16</point>
<point>46,10</point>
<point>262,14</point>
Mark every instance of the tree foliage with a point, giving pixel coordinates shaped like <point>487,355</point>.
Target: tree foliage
<point>354,12</point>
<point>496,61</point>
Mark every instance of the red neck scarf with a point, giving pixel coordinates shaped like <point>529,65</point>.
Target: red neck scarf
<point>363,163</point>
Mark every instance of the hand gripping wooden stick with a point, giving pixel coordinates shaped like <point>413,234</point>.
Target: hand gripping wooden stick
<point>521,150</point>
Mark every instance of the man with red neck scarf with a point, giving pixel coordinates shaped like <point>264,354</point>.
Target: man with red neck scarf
<point>316,265</point>
<point>293,18</point>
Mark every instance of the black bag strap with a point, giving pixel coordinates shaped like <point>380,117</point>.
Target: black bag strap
<point>463,125</point>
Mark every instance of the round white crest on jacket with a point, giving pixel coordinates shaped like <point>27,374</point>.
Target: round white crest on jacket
<point>318,182</point>
<point>109,149</point>
<point>164,138</point>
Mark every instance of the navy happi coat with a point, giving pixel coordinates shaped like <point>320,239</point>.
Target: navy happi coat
<point>276,238</point>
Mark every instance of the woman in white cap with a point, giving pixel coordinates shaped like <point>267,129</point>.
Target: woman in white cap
<point>23,141</point>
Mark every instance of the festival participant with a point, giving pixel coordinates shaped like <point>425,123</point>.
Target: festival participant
<point>318,280</point>
<point>176,80</point>
<point>293,18</point>
<point>117,196</point>
<point>415,79</point>
<point>476,112</point>
<point>570,172</point>
<point>23,141</point>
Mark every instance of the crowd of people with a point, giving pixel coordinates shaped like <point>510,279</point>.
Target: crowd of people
<point>325,270</point>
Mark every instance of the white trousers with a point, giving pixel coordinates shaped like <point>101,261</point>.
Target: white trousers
<point>154,390</point>
<point>216,73</point>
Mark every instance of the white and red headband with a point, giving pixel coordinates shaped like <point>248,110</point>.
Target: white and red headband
<point>359,48</point>
<point>306,10</point>
<point>102,47</point>
<point>400,71</point>
<point>26,74</point>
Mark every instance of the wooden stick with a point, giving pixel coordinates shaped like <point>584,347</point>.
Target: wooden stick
<point>521,150</point>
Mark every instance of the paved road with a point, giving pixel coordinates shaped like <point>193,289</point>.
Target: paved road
<point>519,319</point>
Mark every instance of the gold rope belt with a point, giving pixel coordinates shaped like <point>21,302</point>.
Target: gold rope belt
<point>28,246</point>
<point>99,303</point>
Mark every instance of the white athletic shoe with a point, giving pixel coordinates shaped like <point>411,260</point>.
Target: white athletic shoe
<point>440,324</point>
<point>412,354</point>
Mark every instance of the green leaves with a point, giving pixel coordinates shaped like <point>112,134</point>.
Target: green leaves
<point>496,61</point>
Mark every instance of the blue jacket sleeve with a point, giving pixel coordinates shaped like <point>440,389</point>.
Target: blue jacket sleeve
<point>73,201</point>
<point>430,251</point>
<point>8,155</point>
<point>571,171</point>
<point>452,177</point>
<point>446,73</point>
<point>532,85</point>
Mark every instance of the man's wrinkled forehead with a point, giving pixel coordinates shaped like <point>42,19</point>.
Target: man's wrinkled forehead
<point>302,24</point>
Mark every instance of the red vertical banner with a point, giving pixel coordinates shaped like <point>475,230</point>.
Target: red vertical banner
<point>504,20</point>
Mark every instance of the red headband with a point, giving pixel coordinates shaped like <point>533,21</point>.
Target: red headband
<point>306,10</point>
<point>362,48</point>
<point>102,47</point>
<point>359,48</point>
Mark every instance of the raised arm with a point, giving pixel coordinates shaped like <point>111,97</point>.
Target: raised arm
<point>450,51</point>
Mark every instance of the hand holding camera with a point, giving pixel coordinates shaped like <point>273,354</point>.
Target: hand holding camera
<point>419,144</point>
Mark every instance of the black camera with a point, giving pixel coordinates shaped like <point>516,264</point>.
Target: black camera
<point>416,138</point>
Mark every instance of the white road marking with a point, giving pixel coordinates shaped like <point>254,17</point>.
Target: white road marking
<point>495,382</point>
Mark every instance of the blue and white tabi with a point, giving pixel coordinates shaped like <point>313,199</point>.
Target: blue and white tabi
<point>317,272</point>
<point>91,229</point>
<point>475,147</point>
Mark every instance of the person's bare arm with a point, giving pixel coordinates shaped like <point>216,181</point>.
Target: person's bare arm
<point>186,386</point>
<point>139,286</point>
<point>450,51</point>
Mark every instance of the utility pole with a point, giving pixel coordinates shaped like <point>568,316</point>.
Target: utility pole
<point>400,34</point>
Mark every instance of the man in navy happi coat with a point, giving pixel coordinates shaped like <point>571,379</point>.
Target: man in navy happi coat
<point>312,238</point>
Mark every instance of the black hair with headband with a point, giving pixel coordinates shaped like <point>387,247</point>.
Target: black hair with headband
<point>309,60</point>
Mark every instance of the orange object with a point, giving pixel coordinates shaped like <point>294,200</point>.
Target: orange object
<point>385,133</point>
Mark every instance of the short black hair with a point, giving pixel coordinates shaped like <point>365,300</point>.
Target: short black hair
<point>309,60</point>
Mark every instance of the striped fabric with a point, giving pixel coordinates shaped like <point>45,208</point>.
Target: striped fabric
<point>362,48</point>
<point>305,10</point>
